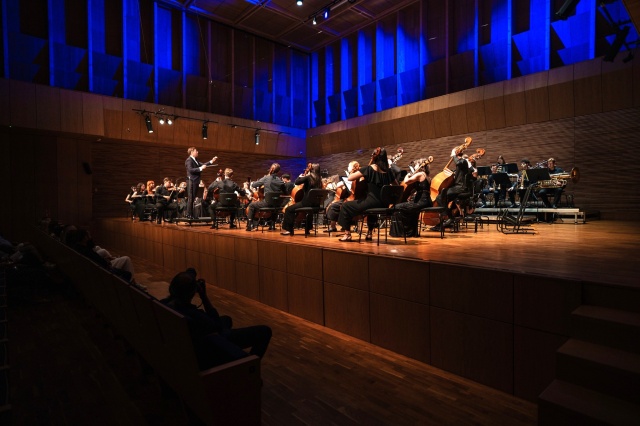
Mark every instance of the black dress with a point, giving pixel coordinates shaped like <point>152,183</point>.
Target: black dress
<point>410,211</point>
<point>375,181</point>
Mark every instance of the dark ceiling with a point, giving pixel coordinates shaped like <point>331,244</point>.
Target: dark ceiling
<point>291,25</point>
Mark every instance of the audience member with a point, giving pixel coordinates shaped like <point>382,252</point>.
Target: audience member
<point>214,339</point>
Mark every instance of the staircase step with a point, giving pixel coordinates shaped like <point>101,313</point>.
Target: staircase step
<point>601,368</point>
<point>618,297</point>
<point>563,403</point>
<point>607,326</point>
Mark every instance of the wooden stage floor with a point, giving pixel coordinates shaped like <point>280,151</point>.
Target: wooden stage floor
<point>598,251</point>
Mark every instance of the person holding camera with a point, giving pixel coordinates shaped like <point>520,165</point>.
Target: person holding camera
<point>215,341</point>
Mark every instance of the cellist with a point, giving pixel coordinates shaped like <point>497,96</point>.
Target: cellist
<point>376,175</point>
<point>309,180</point>
<point>342,194</point>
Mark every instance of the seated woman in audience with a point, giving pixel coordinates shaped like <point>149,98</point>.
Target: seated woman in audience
<point>214,339</point>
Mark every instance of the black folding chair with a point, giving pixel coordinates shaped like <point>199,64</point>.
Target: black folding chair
<point>312,205</point>
<point>389,195</point>
<point>227,205</point>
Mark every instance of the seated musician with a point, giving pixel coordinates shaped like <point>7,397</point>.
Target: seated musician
<point>166,200</point>
<point>288,185</point>
<point>181,197</point>
<point>309,181</point>
<point>376,175</point>
<point>342,193</point>
<point>520,185</point>
<point>224,186</point>
<point>492,188</point>
<point>544,193</point>
<point>418,183</point>
<point>139,200</point>
<point>271,183</point>
<point>447,197</point>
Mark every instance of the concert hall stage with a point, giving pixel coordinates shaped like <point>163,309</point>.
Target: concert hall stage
<point>487,306</point>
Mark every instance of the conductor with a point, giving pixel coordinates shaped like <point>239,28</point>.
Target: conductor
<point>194,169</point>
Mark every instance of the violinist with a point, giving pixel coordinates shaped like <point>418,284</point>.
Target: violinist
<point>166,200</point>
<point>376,175</point>
<point>139,200</point>
<point>224,186</point>
<point>419,182</point>
<point>271,183</point>
<point>309,180</point>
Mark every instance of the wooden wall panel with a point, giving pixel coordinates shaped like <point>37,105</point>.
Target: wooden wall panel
<point>273,255</point>
<point>442,122</point>
<point>305,261</point>
<point>494,106</point>
<point>273,288</point>
<point>226,274</point>
<point>588,87</point>
<point>636,77</point>
<point>246,250</point>
<point>347,310</point>
<point>356,275</point>
<point>248,280</point>
<point>71,113</point>
<point>427,125</point>
<point>514,102</point>
<point>561,94</point>
<point>482,293</point>
<point>545,303</point>
<point>225,247</point>
<point>458,117</point>
<point>482,349</point>
<point>93,120</point>
<point>617,85</point>
<point>537,97</point>
<point>114,124</point>
<point>412,124</point>
<point>410,278</point>
<point>67,165</point>
<point>5,107</point>
<point>534,361</point>
<point>306,298</point>
<point>48,108</point>
<point>401,326</point>
<point>23,104</point>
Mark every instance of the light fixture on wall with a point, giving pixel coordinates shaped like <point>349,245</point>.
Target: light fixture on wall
<point>204,130</point>
<point>299,2</point>
<point>326,10</point>
<point>147,121</point>
<point>566,9</point>
<point>314,21</point>
<point>257,137</point>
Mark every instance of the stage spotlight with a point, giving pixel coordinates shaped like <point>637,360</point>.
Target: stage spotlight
<point>299,2</point>
<point>314,21</point>
<point>566,9</point>
<point>326,13</point>
<point>621,35</point>
<point>204,130</point>
<point>161,120</point>
<point>257,137</point>
<point>169,121</point>
<point>147,120</point>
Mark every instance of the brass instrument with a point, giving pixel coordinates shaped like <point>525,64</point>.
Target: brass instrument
<point>560,180</point>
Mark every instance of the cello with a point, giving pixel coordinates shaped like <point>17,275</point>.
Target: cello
<point>408,187</point>
<point>297,193</point>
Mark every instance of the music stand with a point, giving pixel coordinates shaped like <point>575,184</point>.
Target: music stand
<point>501,179</point>
<point>484,171</point>
<point>536,175</point>
<point>511,168</point>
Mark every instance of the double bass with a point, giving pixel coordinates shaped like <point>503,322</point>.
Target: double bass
<point>444,179</point>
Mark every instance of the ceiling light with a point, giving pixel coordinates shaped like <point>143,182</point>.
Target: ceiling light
<point>257,137</point>
<point>169,121</point>
<point>147,120</point>
<point>326,13</point>
<point>299,2</point>
<point>161,120</point>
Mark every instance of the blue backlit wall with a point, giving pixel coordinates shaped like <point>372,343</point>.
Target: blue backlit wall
<point>435,47</point>
<point>147,51</point>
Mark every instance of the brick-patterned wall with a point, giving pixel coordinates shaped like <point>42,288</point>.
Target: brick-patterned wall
<point>599,145</point>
